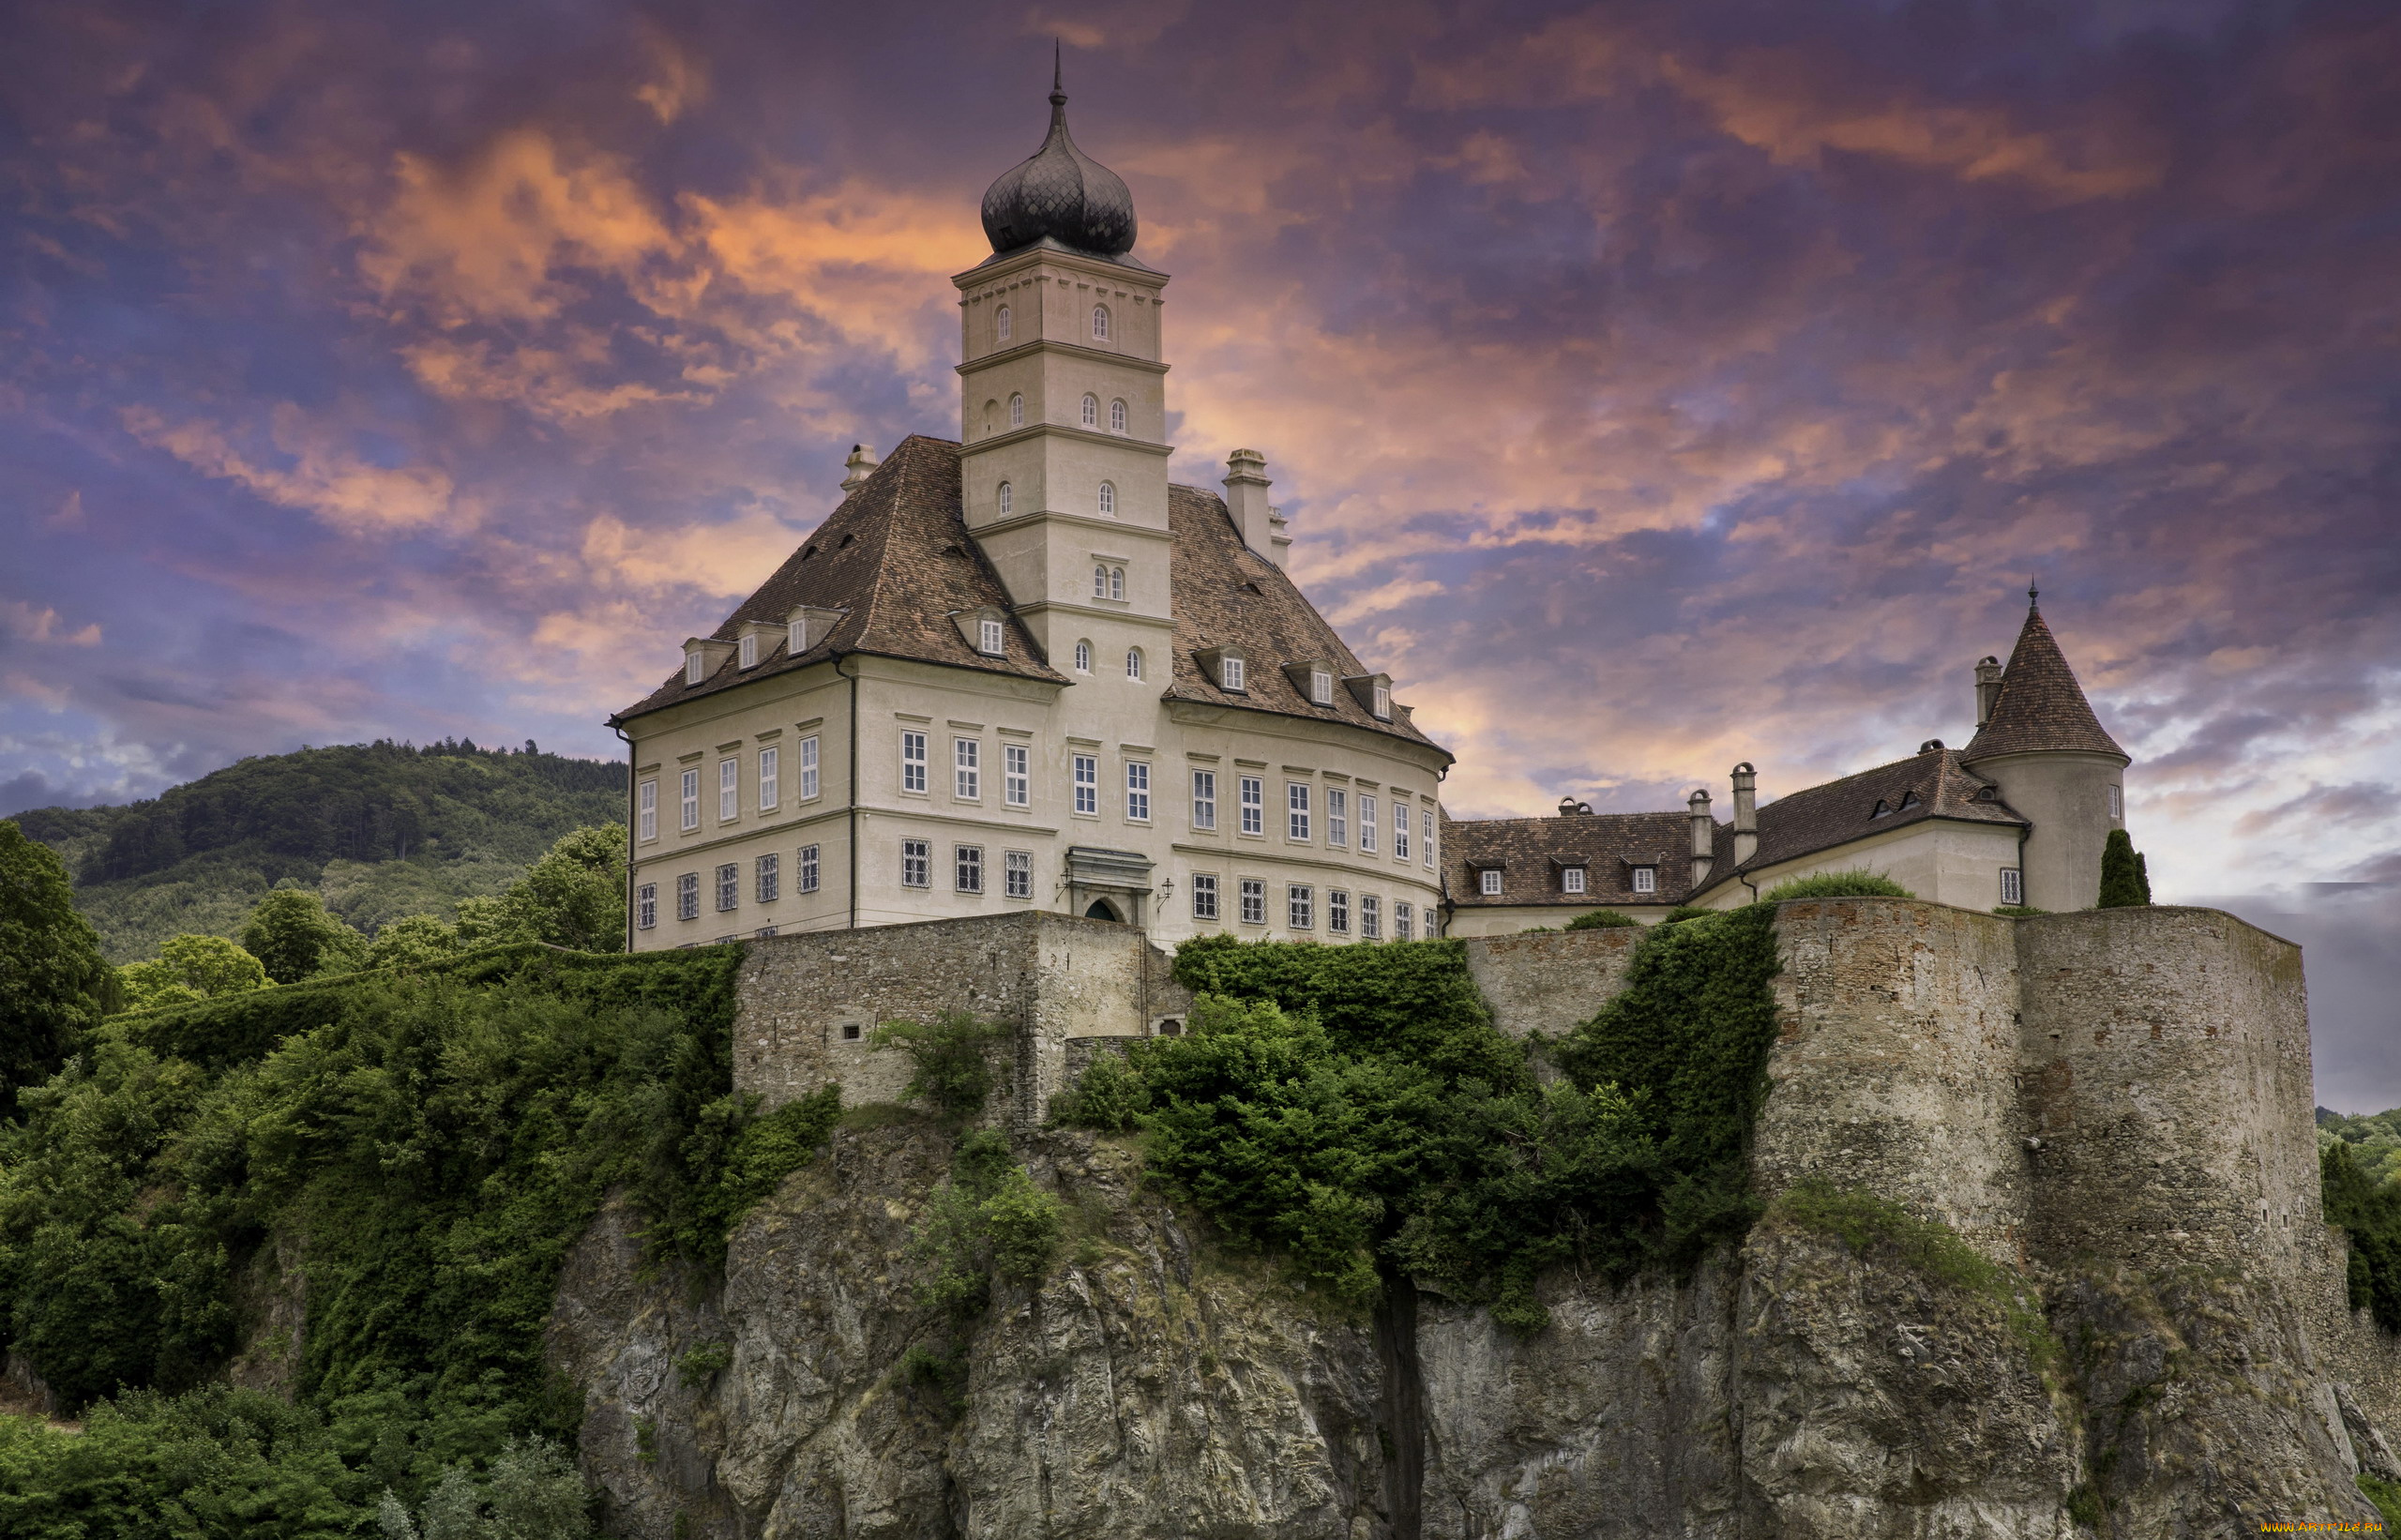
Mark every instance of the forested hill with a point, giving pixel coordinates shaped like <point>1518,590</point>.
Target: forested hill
<point>382,829</point>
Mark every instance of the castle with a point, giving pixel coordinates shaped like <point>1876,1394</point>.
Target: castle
<point>1024,671</point>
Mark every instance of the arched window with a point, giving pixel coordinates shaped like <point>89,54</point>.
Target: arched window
<point>1117,416</point>
<point>1100,582</point>
<point>1108,498</point>
<point>1100,322</point>
<point>1017,411</point>
<point>1001,324</point>
<point>1091,411</point>
<point>1007,500</point>
<point>1083,658</point>
<point>1116,582</point>
<point>1133,663</point>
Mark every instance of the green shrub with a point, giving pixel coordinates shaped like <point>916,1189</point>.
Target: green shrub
<point>1110,1095</point>
<point>1685,912</point>
<point>989,1218</point>
<point>2084,1506</point>
<point>1602,919</point>
<point>950,1060</point>
<point>1856,883</point>
<point>2020,912</point>
<point>2125,882</point>
<point>703,1363</point>
<point>1023,1224</point>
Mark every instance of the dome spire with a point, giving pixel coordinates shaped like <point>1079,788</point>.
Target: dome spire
<point>1058,193</point>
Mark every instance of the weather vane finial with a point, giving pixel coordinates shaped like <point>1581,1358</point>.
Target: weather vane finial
<point>1058,97</point>
<point>2033,595</point>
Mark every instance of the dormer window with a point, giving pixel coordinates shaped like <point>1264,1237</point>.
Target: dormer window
<point>1383,706</point>
<point>990,638</point>
<point>1006,499</point>
<point>1001,324</point>
<point>1321,688</point>
<point>1017,411</point>
<point>1107,496</point>
<point>1646,879</point>
<point>1884,810</point>
<point>695,664</point>
<point>796,639</point>
<point>1117,416</point>
<point>1487,882</point>
<point>1229,672</point>
<point>1908,800</point>
<point>750,649</point>
<point>1100,322</point>
<point>1091,411</point>
<point>1571,880</point>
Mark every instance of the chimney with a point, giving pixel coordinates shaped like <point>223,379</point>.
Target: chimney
<point>860,465</point>
<point>1704,837</point>
<point>1262,528</point>
<point>1747,812</point>
<point>1987,688</point>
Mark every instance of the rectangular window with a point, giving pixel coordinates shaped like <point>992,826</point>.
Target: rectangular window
<point>691,800</point>
<point>1296,809</point>
<point>988,636</point>
<point>729,886</point>
<point>1337,816</point>
<point>1204,799</point>
<point>646,906</point>
<point>1087,784</point>
<point>1384,712</point>
<point>808,868</point>
<point>1300,907</point>
<point>1371,917</point>
<point>1399,843</point>
<point>1646,879</point>
<point>808,768</point>
<point>728,789</point>
<point>1016,775</point>
<point>770,878</point>
<point>767,930</point>
<point>1137,791</point>
<point>771,780</point>
<point>1400,918</point>
<point>2117,803</point>
<point>916,863</point>
<point>1426,836</point>
<point>688,895</point>
<point>2013,885</point>
<point>749,648</point>
<point>1487,883</point>
<point>1572,880</point>
<point>647,801</point>
<point>1204,896</point>
<point>1016,874</point>
<point>1338,911</point>
<point>967,757</point>
<point>1321,688</point>
<point>968,864</point>
<point>912,761</point>
<point>1366,825</point>
<point>1229,672</point>
<point>1254,901</point>
<point>1254,805</point>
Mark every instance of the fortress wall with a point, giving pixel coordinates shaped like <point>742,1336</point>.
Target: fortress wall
<point>1549,982</point>
<point>1894,1064</point>
<point>2168,1081</point>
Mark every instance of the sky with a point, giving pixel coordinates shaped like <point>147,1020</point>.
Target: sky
<point>1652,385</point>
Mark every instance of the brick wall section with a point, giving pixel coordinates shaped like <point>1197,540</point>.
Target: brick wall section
<point>1894,1063</point>
<point>1549,982</point>
<point>2167,1077</point>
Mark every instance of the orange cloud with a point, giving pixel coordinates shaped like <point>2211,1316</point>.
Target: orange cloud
<point>324,478</point>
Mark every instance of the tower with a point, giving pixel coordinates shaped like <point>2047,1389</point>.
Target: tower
<point>1063,405</point>
<point>2038,741</point>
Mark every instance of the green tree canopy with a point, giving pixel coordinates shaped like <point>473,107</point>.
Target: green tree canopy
<point>412,940</point>
<point>2124,882</point>
<point>293,938</point>
<point>53,983</point>
<point>190,968</point>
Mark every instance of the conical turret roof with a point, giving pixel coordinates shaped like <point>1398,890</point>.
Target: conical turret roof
<point>2042,708</point>
<point>1062,194</point>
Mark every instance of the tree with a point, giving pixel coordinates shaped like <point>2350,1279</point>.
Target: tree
<point>574,895</point>
<point>54,984</point>
<point>190,968</point>
<point>412,940</point>
<point>2124,882</point>
<point>293,938</point>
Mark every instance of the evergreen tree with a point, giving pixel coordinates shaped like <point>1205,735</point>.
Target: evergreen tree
<point>293,938</point>
<point>54,985</point>
<point>2123,882</point>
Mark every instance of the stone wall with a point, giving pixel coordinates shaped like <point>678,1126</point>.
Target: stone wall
<point>1548,982</point>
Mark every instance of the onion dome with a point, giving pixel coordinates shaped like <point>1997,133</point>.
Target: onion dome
<point>1060,195</point>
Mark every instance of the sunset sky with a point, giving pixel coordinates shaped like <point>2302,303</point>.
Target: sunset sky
<point>1652,385</point>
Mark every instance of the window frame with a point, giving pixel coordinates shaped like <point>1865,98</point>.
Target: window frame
<point>695,666</point>
<point>1085,773</point>
<point>1371,917</point>
<point>1117,416</point>
<point>1366,824</point>
<point>795,638</point>
<point>1204,801</point>
<point>771,778</point>
<point>646,906</point>
<point>1016,874</point>
<point>1382,707</point>
<point>967,769</point>
<point>729,886</point>
<point>914,762</point>
<point>1399,830</point>
<point>1137,791</point>
<point>1403,920</point>
<point>747,651</point>
<point>809,784</point>
<point>1016,775</point>
<point>1083,656</point>
<point>916,863</point>
<point>809,873</point>
<point>1252,893</point>
<point>1005,499</point>
<point>1487,882</point>
<point>767,877</point>
<point>1252,794</point>
<point>1134,664</point>
<point>2012,887</point>
<point>1645,880</point>
<point>1298,809</point>
<point>1230,673</point>
<point>1091,410</point>
<point>1204,896</point>
<point>1337,912</point>
<point>967,869</point>
<point>687,790</point>
<point>687,895</point>
<point>1425,837</point>
<point>1299,906</point>
<point>1017,409</point>
<point>1572,880</point>
<point>1002,322</point>
<point>1107,500</point>
<point>646,809</point>
<point>991,638</point>
<point>1101,324</point>
<point>729,790</point>
<point>1338,818</point>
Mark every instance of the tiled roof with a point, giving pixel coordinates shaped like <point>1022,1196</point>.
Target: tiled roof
<point>897,556</point>
<point>1532,852</point>
<point>1930,784</point>
<point>2041,706</point>
<point>1229,595</point>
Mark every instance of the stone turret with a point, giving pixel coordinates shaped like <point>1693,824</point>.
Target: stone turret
<point>856,469</point>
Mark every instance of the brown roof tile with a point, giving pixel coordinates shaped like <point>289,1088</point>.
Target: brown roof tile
<point>2041,706</point>
<point>1532,852</point>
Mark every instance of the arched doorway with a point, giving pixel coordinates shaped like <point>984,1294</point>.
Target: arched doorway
<point>1103,910</point>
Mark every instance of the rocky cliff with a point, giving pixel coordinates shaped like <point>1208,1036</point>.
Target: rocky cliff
<point>1849,1372</point>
